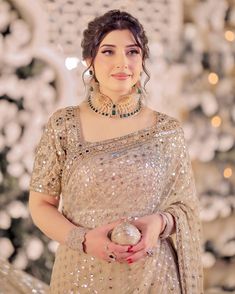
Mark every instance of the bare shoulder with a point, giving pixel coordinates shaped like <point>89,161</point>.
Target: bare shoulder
<point>148,114</point>
<point>148,111</point>
<point>165,121</point>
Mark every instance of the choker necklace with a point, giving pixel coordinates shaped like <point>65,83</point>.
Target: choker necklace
<point>129,104</point>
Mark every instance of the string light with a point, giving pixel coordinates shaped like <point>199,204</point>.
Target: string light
<point>228,172</point>
<point>84,63</point>
<point>71,62</point>
<point>213,78</point>
<point>216,121</point>
<point>229,36</point>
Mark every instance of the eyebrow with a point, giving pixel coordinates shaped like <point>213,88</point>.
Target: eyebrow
<point>110,45</point>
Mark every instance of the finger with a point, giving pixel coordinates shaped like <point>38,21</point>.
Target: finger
<point>113,257</point>
<point>111,225</point>
<point>117,248</point>
<point>120,259</point>
<point>123,256</point>
<point>108,259</point>
<point>140,245</point>
<point>107,229</point>
<point>139,225</point>
<point>136,256</point>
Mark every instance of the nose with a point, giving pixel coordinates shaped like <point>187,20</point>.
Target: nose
<point>121,61</point>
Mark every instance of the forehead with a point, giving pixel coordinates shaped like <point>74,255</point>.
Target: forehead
<point>119,38</point>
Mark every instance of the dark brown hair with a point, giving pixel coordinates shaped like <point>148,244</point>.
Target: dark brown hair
<point>113,20</point>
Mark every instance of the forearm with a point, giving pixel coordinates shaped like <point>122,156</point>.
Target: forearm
<point>167,224</point>
<point>51,222</point>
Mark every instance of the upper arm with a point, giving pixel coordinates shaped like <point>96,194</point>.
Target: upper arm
<point>36,199</point>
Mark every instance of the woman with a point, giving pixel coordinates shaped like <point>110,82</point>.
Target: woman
<point>112,158</point>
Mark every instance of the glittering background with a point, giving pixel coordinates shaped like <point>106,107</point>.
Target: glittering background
<point>192,69</point>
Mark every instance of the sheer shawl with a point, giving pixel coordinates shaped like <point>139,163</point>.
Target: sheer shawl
<point>180,199</point>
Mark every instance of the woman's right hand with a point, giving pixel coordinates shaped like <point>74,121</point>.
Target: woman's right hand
<point>98,244</point>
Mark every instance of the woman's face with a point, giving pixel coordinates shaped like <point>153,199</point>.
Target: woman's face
<point>118,63</point>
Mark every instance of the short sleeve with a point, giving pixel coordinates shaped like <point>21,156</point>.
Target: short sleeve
<point>49,159</point>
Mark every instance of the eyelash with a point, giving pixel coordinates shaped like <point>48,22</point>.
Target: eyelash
<point>133,51</point>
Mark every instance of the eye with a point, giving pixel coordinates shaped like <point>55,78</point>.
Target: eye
<point>107,52</point>
<point>133,52</point>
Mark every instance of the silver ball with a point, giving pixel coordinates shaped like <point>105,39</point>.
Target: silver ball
<point>125,234</point>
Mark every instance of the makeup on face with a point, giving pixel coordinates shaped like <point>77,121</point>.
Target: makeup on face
<point>118,63</point>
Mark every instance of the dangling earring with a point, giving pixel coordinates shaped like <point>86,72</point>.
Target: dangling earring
<point>138,87</point>
<point>94,84</point>
<point>92,77</point>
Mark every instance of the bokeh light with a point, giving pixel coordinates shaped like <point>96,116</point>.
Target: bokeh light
<point>228,172</point>
<point>213,78</point>
<point>216,121</point>
<point>229,36</point>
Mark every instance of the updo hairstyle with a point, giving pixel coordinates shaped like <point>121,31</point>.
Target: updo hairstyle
<point>113,20</point>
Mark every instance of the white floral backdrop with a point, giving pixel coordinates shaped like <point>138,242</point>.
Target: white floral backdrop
<point>192,77</point>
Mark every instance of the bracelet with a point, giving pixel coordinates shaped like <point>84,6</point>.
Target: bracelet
<point>75,239</point>
<point>168,225</point>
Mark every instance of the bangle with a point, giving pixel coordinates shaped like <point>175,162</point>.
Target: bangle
<point>164,222</point>
<point>168,225</point>
<point>75,239</point>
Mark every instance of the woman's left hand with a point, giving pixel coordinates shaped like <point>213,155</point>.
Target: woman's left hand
<point>150,227</point>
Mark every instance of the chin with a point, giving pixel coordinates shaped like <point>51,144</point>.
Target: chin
<point>122,90</point>
<point>122,87</point>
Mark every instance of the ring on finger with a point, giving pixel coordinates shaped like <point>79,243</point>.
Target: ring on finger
<point>150,252</point>
<point>112,256</point>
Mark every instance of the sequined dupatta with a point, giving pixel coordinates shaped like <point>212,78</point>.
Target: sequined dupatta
<point>181,201</point>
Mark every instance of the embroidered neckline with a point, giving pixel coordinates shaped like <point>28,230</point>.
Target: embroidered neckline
<point>158,119</point>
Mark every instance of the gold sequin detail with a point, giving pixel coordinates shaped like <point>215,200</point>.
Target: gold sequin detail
<point>132,175</point>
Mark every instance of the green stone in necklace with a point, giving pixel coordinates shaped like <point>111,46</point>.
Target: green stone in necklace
<point>129,105</point>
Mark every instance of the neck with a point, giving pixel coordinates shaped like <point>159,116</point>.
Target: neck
<point>114,104</point>
<point>116,97</point>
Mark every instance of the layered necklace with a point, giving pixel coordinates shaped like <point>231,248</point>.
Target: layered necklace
<point>128,105</point>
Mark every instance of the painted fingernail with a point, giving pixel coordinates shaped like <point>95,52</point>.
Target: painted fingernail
<point>129,260</point>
